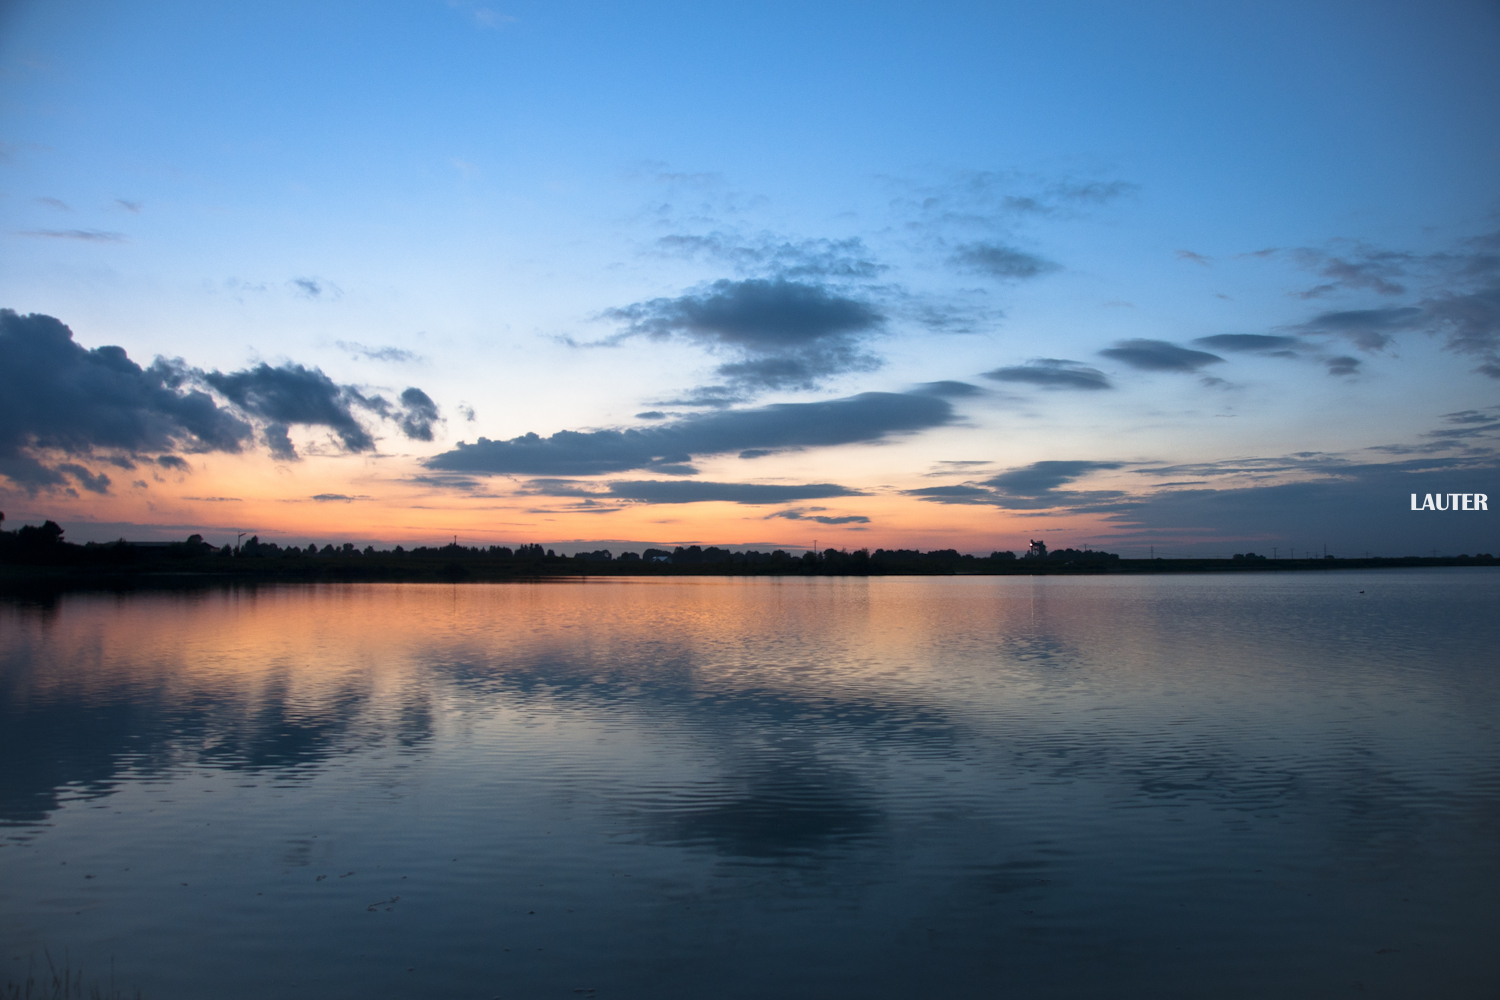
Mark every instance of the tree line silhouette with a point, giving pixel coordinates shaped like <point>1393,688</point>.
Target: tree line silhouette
<point>42,547</point>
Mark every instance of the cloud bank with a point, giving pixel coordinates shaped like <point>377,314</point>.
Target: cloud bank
<point>788,334</point>
<point>60,399</point>
<point>668,447</point>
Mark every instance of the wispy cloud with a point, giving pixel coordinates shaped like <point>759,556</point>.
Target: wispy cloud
<point>84,235</point>
<point>1053,373</point>
<point>398,355</point>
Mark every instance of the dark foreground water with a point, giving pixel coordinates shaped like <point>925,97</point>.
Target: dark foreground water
<point>1232,786</point>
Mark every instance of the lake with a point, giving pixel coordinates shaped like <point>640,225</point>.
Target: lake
<point>1237,785</point>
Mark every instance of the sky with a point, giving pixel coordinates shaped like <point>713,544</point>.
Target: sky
<point>1154,278</point>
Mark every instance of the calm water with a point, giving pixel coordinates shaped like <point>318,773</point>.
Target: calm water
<point>1230,786</point>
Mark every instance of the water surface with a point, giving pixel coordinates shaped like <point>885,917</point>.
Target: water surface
<point>1239,786</point>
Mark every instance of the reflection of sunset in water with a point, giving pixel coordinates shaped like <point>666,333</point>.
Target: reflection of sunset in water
<point>1027,768</point>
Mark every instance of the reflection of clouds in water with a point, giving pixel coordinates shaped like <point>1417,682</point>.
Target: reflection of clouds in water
<point>786,719</point>
<point>779,810</point>
<point>85,745</point>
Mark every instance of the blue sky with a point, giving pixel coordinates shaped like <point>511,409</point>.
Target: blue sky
<point>748,220</point>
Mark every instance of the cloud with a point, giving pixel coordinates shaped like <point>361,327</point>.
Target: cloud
<point>392,354</point>
<point>292,394</point>
<point>1256,343</point>
<point>1348,505</point>
<point>989,201</point>
<point>999,261</point>
<point>798,515</point>
<point>55,203</point>
<point>868,417</point>
<point>1364,268</point>
<point>1367,329</point>
<point>1196,258</point>
<point>417,415</point>
<point>56,396</point>
<point>1043,477</point>
<point>1276,346</point>
<point>948,389</point>
<point>86,235</point>
<point>675,491</point>
<point>1031,487</point>
<point>315,288</point>
<point>779,257</point>
<point>133,207</point>
<point>1462,305</point>
<point>338,497</point>
<point>1159,356</point>
<point>790,334</point>
<point>1052,373</point>
<point>1472,325</point>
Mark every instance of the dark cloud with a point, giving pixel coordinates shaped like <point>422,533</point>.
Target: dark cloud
<point>798,515</point>
<point>292,394</point>
<point>1462,306</point>
<point>1352,507</point>
<point>58,398</point>
<point>1367,329</point>
<point>716,396</point>
<point>1159,356</point>
<point>1468,424</point>
<point>651,415</point>
<point>779,257</point>
<point>1472,325</point>
<point>417,414</point>
<point>950,494</point>
<point>1257,343</point>
<point>95,483</point>
<point>791,334</point>
<point>870,416</point>
<point>674,491</point>
<point>337,497</point>
<point>1043,477</point>
<point>1052,373</point>
<point>1362,268</point>
<point>85,235</point>
<point>1031,487</point>
<point>1196,258</point>
<point>55,396</point>
<point>999,261</point>
<point>1271,346</point>
<point>948,389</point>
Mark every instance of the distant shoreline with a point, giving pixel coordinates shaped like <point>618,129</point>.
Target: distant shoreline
<point>160,574</point>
